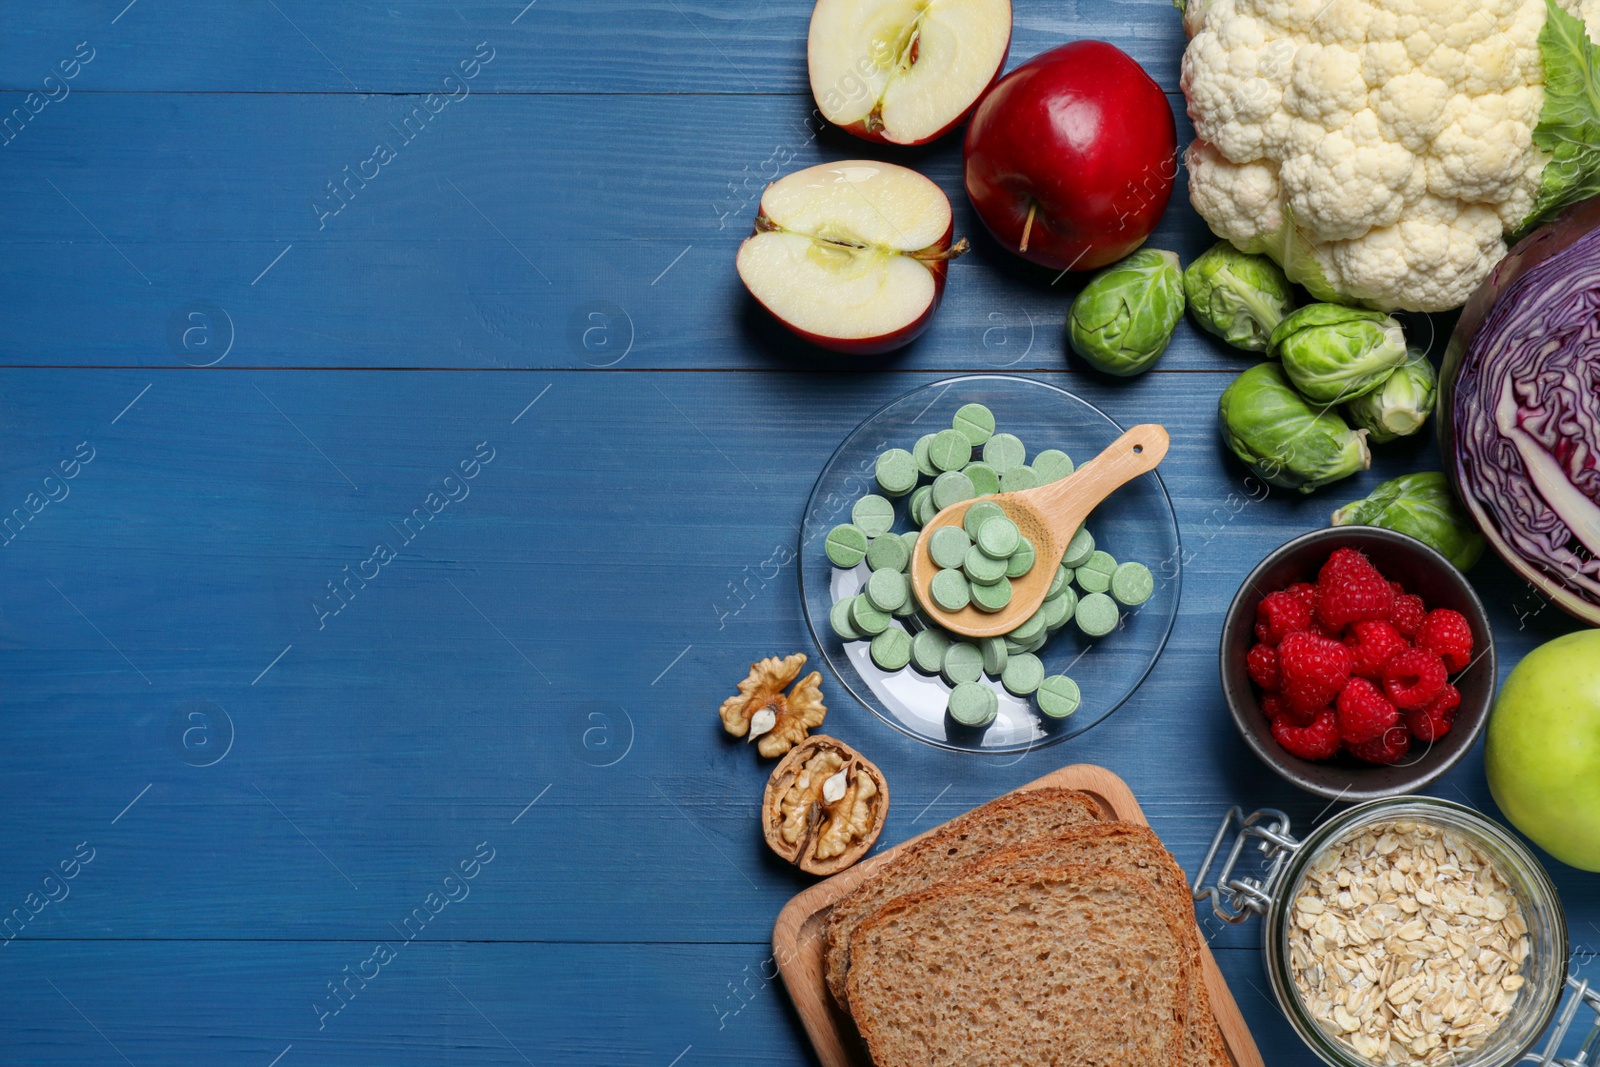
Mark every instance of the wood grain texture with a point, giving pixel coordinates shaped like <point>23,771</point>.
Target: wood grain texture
<point>539,666</point>
<point>799,946</point>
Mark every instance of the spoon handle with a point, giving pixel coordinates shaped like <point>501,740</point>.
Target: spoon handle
<point>1136,452</point>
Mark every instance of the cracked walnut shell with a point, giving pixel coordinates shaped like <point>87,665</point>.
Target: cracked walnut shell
<point>762,710</point>
<point>824,806</point>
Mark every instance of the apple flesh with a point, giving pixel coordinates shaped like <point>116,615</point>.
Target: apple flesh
<point>851,256</point>
<point>1070,157</point>
<point>1542,752</point>
<point>904,71</point>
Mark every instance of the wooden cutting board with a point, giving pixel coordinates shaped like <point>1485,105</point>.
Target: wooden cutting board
<point>797,938</point>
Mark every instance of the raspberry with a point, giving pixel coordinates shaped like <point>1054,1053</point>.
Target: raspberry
<point>1313,669</point>
<point>1389,747</point>
<point>1278,615</point>
<point>1364,712</point>
<point>1304,592</point>
<point>1447,633</point>
<point>1434,721</point>
<point>1408,613</point>
<point>1276,706</point>
<point>1372,642</point>
<point>1319,740</point>
<point>1262,664</point>
<point>1413,678</point>
<point>1352,600</point>
<point>1346,565</point>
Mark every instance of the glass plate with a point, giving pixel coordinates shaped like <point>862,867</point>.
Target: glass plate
<point>1135,523</point>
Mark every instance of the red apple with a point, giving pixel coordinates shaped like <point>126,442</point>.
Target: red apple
<point>851,256</point>
<point>904,71</point>
<point>1070,158</point>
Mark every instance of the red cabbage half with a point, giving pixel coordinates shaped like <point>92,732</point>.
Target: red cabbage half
<point>1519,409</point>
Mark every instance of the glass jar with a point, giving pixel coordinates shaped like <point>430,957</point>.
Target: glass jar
<point>1236,898</point>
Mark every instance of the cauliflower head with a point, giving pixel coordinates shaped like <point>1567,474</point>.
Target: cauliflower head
<point>1382,150</point>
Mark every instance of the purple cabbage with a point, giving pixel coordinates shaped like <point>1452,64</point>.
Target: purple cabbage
<point>1520,406</point>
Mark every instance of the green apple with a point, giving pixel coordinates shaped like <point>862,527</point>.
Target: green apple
<point>1543,748</point>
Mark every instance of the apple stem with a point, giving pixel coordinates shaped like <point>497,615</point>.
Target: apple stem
<point>955,251</point>
<point>1027,227</point>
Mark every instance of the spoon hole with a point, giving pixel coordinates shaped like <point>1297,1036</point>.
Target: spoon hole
<point>1138,449</point>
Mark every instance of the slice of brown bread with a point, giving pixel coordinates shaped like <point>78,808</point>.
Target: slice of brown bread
<point>1136,850</point>
<point>1067,966</point>
<point>1009,820</point>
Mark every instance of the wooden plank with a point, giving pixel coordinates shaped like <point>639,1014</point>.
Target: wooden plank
<point>507,234</point>
<point>608,46</point>
<point>618,541</point>
<point>799,947</point>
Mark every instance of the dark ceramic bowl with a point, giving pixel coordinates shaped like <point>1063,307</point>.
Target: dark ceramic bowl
<point>1422,571</point>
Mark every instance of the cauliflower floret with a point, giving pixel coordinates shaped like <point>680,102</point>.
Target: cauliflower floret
<point>1379,149</point>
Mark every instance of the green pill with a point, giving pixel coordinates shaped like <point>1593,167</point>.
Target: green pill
<point>926,510</point>
<point>1019,478</point>
<point>888,589</point>
<point>1022,674</point>
<point>839,619</point>
<point>914,506</point>
<point>1058,581</point>
<point>980,513</point>
<point>994,655</point>
<point>1051,465</point>
<point>1059,609</point>
<point>985,479</point>
<point>999,537</point>
<point>1132,584</point>
<point>868,619</point>
<point>906,610</point>
<point>1003,451</point>
<point>1021,561</point>
<point>962,663</point>
<point>846,545</point>
<point>948,546</point>
<point>949,450</point>
<point>1078,549</point>
<point>891,650</point>
<point>910,538</point>
<point>951,487</point>
<point>991,598</point>
<point>873,515</point>
<point>1094,574</point>
<point>919,456</point>
<point>974,422</point>
<point>928,649</point>
<point>1015,647</point>
<point>950,590</point>
<point>1058,696</point>
<point>982,567</point>
<point>973,705</point>
<point>1097,614</point>
<point>888,552</point>
<point>1030,629</point>
<point>897,472</point>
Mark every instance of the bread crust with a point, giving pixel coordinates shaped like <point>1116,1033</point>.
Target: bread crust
<point>921,865</point>
<point>1169,1021</point>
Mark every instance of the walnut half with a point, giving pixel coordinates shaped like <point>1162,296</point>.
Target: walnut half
<point>763,712</point>
<point>824,806</point>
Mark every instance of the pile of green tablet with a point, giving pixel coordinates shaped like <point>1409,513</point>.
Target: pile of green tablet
<point>977,561</point>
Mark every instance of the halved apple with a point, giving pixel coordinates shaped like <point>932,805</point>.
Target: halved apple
<point>904,71</point>
<point>851,256</point>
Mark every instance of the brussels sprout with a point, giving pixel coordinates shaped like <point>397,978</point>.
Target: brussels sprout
<point>1282,438</point>
<point>1241,298</point>
<point>1125,316</point>
<point>1334,353</point>
<point>1422,506</point>
<point>1399,406</point>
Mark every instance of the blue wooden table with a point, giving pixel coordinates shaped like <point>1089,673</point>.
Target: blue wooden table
<point>425,458</point>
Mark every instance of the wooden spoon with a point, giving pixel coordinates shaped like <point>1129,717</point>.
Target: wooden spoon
<point>1048,516</point>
